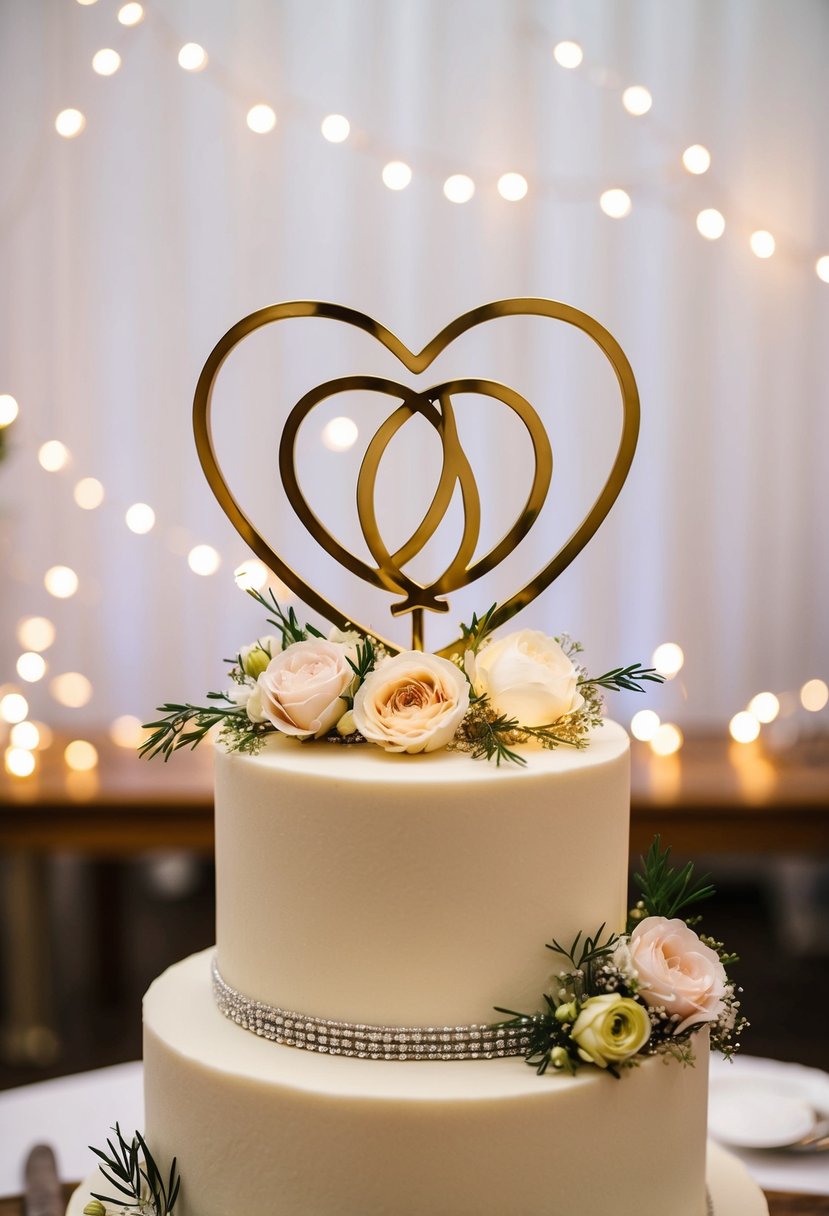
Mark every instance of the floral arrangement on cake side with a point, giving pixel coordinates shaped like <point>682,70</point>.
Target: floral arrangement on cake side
<point>644,992</point>
<point>130,1169</point>
<point>346,687</point>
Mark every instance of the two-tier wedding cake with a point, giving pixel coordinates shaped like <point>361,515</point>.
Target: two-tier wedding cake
<point>421,869</point>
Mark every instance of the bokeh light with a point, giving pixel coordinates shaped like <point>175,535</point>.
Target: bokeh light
<point>512,187</point>
<point>126,731</point>
<point>71,689</point>
<point>668,659</point>
<point>765,706</point>
<point>814,695</point>
<point>396,175</point>
<point>106,62</point>
<point>667,739</point>
<point>568,54</point>
<point>53,456</point>
<point>459,188</point>
<point>31,667</point>
<point>637,100</point>
<point>696,159</point>
<point>762,243</point>
<point>9,409</point>
<point>744,727</point>
<point>335,128</point>
<point>140,518</point>
<point>88,493</point>
<point>615,203</point>
<point>80,755</point>
<point>340,434</point>
<point>35,633</point>
<point>261,119</point>
<point>131,14</point>
<point>203,559</point>
<point>19,762</point>
<point>70,123</point>
<point>25,735</point>
<point>251,575</point>
<point>192,57</point>
<point>711,224</point>
<point>61,582</point>
<point>644,724</point>
<point>13,707</point>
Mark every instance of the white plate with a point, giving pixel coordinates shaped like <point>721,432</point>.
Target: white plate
<point>753,1103</point>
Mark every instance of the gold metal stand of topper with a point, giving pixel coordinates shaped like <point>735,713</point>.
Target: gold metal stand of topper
<point>434,404</point>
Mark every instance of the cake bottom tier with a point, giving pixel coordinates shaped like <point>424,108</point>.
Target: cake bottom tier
<point>259,1127</point>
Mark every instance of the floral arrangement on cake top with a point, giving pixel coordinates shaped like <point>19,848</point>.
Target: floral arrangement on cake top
<point>644,992</point>
<point>346,687</point>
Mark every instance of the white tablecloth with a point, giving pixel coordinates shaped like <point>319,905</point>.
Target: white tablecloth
<point>74,1112</point>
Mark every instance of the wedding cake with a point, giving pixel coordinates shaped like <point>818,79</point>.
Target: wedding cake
<point>421,888</point>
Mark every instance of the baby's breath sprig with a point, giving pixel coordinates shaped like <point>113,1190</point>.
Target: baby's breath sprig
<point>140,1183</point>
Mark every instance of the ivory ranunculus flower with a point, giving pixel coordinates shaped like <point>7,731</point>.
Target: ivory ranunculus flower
<point>676,970</point>
<point>301,690</point>
<point>610,1029</point>
<point>527,676</point>
<point>411,702</point>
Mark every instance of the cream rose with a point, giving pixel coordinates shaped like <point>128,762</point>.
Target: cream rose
<point>610,1029</point>
<point>527,676</point>
<point>411,702</point>
<point>301,690</point>
<point>674,969</point>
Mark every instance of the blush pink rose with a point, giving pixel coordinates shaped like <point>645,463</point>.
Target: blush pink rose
<point>301,690</point>
<point>676,970</point>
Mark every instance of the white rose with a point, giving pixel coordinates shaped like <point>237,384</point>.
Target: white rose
<point>527,676</point>
<point>347,637</point>
<point>676,970</point>
<point>301,690</point>
<point>610,1029</point>
<point>411,702</point>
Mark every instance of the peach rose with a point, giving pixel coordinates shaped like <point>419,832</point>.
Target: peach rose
<point>527,676</point>
<point>301,690</point>
<point>411,702</point>
<point>674,969</point>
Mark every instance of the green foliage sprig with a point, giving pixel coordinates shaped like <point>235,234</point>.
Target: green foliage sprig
<point>140,1183</point>
<point>362,666</point>
<point>286,624</point>
<point>478,629</point>
<point>187,725</point>
<point>628,678</point>
<point>666,890</point>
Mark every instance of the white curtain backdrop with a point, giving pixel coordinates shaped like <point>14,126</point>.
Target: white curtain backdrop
<point>128,251</point>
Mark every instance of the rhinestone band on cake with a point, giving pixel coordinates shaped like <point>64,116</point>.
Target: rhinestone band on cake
<point>367,1042</point>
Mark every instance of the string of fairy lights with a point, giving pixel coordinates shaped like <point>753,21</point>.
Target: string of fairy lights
<point>36,634</point>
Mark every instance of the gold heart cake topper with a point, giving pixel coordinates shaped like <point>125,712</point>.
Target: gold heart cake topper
<point>434,404</point>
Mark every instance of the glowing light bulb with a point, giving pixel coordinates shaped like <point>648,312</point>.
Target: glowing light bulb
<point>668,659</point>
<point>637,100</point>
<point>744,727</point>
<point>19,762</point>
<point>762,244</point>
<point>644,724</point>
<point>512,187</point>
<point>666,740</point>
<point>192,57</point>
<point>764,706</point>
<point>35,633</point>
<point>140,518</point>
<point>822,268</point>
<point>126,731</point>
<point>814,695</point>
<point>13,707</point>
<point>459,188</point>
<point>203,559</point>
<point>335,128</point>
<point>88,493</point>
<point>53,456</point>
<point>131,14</point>
<point>251,575</point>
<point>25,735</point>
<point>70,123</point>
<point>9,409</point>
<point>696,159</point>
<point>615,203</point>
<point>396,175</point>
<point>31,667</point>
<point>568,54</point>
<point>71,689</point>
<point>340,434</point>
<point>261,119</point>
<point>711,224</point>
<point>106,62</point>
<point>80,755</point>
<point>61,582</point>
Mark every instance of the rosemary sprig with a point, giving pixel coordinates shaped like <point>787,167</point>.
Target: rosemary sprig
<point>478,629</point>
<point>288,625</point>
<point>363,663</point>
<point>666,890</point>
<point>629,678</point>
<point>141,1184</point>
<point>586,950</point>
<point>170,732</point>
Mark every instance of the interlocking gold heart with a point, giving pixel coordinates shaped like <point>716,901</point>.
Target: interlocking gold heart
<point>434,404</point>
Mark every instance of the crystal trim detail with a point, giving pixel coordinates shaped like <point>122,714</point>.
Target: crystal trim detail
<point>367,1042</point>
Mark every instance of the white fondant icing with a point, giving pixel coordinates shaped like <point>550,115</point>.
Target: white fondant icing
<point>261,1128</point>
<point>414,890</point>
